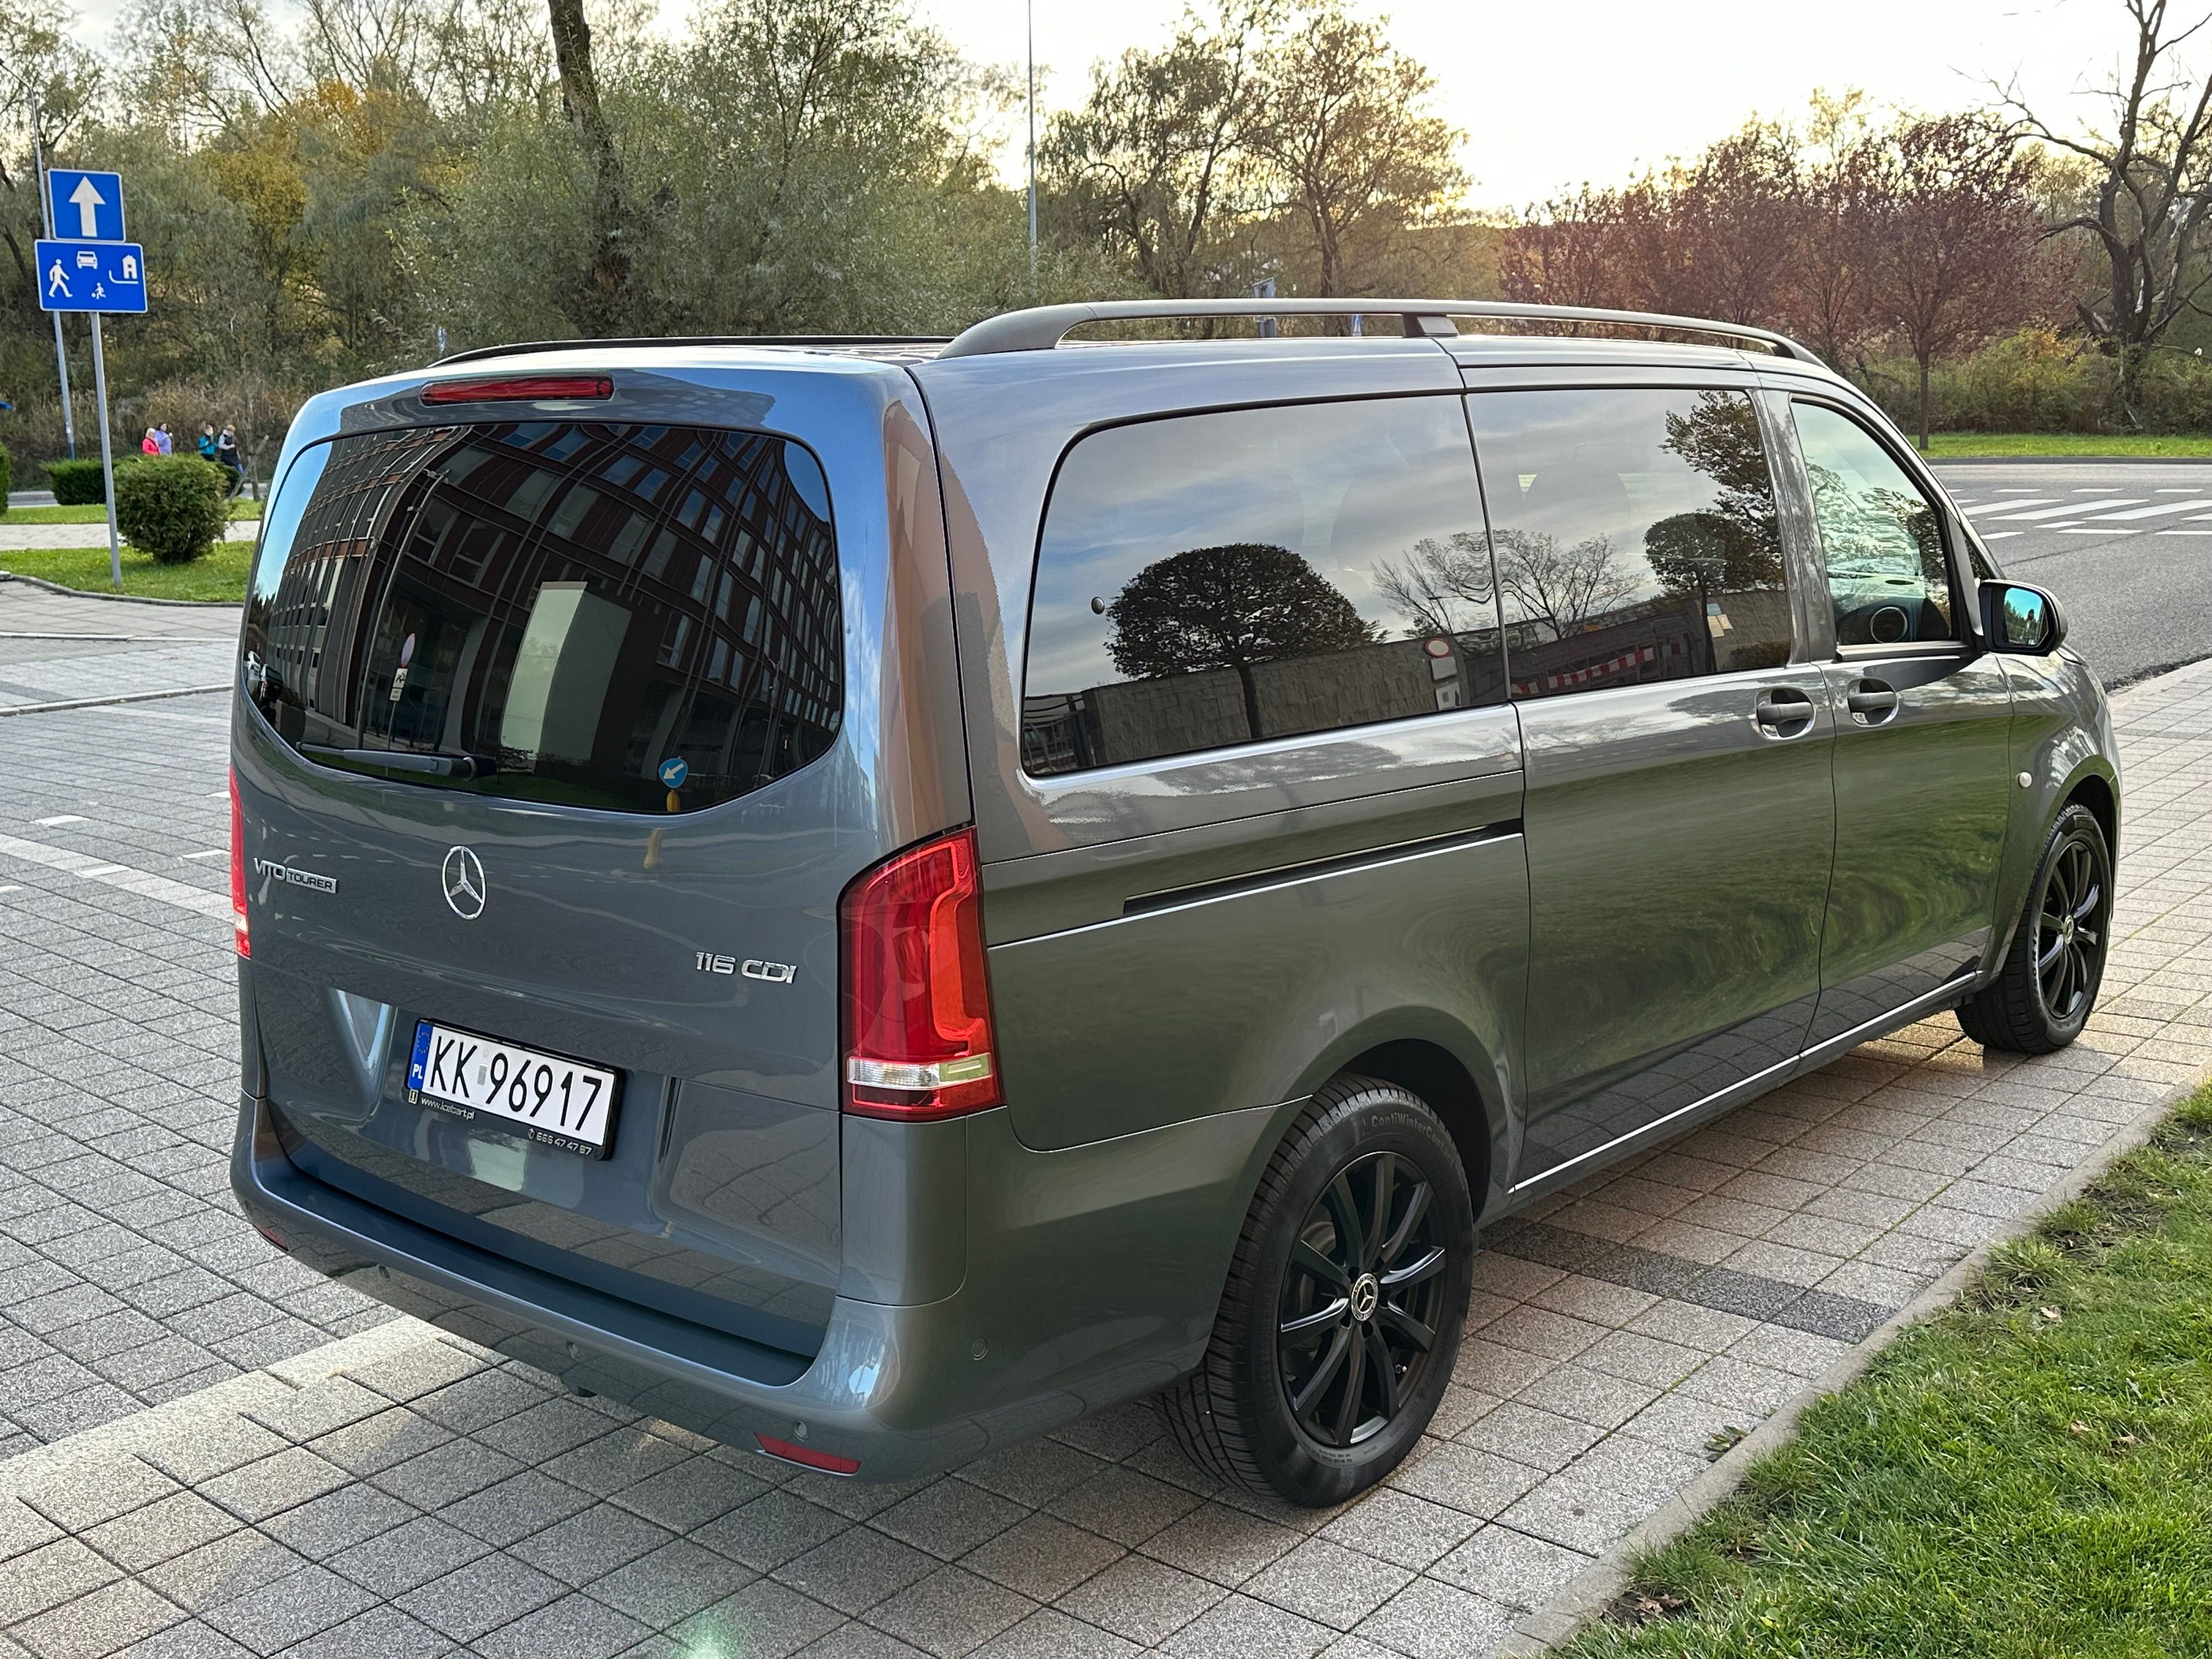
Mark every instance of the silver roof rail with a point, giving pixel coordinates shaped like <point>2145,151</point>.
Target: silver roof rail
<point>485,354</point>
<point>1041,328</point>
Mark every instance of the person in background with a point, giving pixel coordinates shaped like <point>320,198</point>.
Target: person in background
<point>162,437</point>
<point>225,454</point>
<point>207,442</point>
<point>151,443</point>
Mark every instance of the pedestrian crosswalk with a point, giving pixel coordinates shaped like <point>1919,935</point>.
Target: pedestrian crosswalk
<point>2097,511</point>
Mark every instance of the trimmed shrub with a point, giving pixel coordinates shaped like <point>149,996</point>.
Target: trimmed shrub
<point>77,484</point>
<point>7,477</point>
<point>171,507</point>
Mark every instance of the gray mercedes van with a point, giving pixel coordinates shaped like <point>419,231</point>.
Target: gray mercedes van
<point>868,898</point>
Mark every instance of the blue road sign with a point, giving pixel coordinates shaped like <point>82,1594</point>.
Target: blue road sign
<point>87,206</point>
<point>91,276</point>
<point>673,771</point>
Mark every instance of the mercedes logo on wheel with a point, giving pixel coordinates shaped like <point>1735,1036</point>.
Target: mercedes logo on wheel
<point>463,878</point>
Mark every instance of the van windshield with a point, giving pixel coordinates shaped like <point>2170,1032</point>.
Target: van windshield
<point>640,618</point>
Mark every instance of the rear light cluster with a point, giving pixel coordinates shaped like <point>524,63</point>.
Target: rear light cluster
<point>238,871</point>
<point>916,1002</point>
<point>518,388</point>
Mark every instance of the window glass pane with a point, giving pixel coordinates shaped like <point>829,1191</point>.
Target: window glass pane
<point>1635,537</point>
<point>1882,537</point>
<point>474,594</point>
<point>1215,578</point>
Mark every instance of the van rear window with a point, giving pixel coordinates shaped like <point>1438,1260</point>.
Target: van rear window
<point>639,618</point>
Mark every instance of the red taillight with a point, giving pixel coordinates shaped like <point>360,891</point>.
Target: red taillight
<point>238,871</point>
<point>518,387</point>
<point>917,1005</point>
<point>811,1459</point>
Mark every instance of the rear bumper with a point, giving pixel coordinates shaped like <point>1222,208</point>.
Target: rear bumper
<point>868,1394</point>
<point>1092,1277</point>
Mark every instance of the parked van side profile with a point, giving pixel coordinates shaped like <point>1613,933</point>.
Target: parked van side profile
<point>869,899</point>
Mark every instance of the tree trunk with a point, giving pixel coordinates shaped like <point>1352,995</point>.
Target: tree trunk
<point>1251,699</point>
<point>2133,357</point>
<point>1923,402</point>
<point>605,305</point>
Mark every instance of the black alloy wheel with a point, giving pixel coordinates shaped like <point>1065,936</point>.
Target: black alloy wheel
<point>2043,994</point>
<point>1345,1300</point>
<point>2070,928</point>
<point>1357,1320</point>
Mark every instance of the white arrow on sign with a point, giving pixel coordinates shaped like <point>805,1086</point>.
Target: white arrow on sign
<point>85,199</point>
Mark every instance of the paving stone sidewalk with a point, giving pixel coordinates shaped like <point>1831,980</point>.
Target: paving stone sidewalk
<point>403,1492</point>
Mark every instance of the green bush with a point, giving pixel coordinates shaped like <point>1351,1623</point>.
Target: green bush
<point>171,507</point>
<point>7,477</point>
<point>77,484</point>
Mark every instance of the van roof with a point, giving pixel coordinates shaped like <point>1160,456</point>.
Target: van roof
<point>1501,339</point>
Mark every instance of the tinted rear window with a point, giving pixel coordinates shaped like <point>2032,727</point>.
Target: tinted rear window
<point>566,611</point>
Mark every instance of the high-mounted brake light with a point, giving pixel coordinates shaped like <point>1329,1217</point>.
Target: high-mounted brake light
<point>238,871</point>
<point>518,388</point>
<point>807,1457</point>
<point>917,1003</point>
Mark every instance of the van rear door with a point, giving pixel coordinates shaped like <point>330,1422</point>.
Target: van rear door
<point>550,779</point>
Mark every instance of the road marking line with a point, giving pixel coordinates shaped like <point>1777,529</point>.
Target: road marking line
<point>2008,506</point>
<point>2015,490</point>
<point>141,882</point>
<point>14,887</point>
<point>2092,530</point>
<point>2095,489</point>
<point>2156,512</point>
<point>56,821</point>
<point>2185,533</point>
<point>235,1396</point>
<point>211,853</point>
<point>1999,535</point>
<point>2075,509</point>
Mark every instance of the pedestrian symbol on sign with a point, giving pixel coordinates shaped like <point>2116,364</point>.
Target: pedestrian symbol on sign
<point>57,281</point>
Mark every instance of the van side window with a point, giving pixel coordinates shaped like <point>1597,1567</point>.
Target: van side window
<point>1217,579</point>
<point>1636,536</point>
<point>1883,538</point>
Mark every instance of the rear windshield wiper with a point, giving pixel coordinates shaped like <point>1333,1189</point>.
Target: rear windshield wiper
<point>457,767</point>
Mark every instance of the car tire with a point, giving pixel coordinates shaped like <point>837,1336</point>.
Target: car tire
<point>1336,1337</point>
<point>2042,996</point>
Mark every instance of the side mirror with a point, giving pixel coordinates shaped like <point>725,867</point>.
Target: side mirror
<point>2021,620</point>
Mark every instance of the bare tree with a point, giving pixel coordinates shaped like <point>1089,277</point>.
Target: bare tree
<point>604,307</point>
<point>1437,577</point>
<point>2153,171</point>
<point>1562,588</point>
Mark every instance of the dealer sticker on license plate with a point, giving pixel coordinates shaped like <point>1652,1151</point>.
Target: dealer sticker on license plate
<point>557,1102</point>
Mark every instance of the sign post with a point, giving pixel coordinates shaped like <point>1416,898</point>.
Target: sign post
<point>61,352</point>
<point>93,269</point>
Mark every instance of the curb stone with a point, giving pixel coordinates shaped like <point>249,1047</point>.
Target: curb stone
<point>114,599</point>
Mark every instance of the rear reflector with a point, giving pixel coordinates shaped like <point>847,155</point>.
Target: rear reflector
<point>917,1002</point>
<point>238,871</point>
<point>277,1239</point>
<point>807,1456</point>
<point>522,387</point>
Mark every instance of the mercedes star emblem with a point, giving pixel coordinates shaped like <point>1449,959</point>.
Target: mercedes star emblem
<point>463,878</point>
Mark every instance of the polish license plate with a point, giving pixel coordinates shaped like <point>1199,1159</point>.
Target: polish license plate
<point>553,1101</point>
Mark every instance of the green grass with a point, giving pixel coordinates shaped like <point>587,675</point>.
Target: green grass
<point>220,576</point>
<point>98,514</point>
<point>1958,445</point>
<point>2028,1476</point>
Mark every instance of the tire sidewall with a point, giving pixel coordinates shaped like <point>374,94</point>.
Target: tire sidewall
<point>1377,1118</point>
<point>2076,823</point>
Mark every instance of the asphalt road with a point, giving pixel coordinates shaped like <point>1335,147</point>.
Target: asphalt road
<point>2125,545</point>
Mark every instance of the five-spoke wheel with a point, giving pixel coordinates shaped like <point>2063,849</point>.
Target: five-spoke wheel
<point>2041,997</point>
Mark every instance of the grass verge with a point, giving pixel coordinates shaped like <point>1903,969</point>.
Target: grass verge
<point>1964,446</point>
<point>98,513</point>
<point>2028,1473</point>
<point>220,576</point>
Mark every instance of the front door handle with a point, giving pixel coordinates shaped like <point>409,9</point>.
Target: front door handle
<point>1872,702</point>
<point>1785,713</point>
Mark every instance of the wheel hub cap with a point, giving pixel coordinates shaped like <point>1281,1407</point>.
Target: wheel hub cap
<point>1365,1293</point>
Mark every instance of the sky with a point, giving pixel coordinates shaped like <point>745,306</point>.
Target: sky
<point>1550,95</point>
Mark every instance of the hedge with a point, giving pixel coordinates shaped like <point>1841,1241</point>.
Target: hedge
<point>77,484</point>
<point>172,506</point>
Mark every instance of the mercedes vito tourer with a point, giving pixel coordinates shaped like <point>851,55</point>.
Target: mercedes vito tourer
<point>867,899</point>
